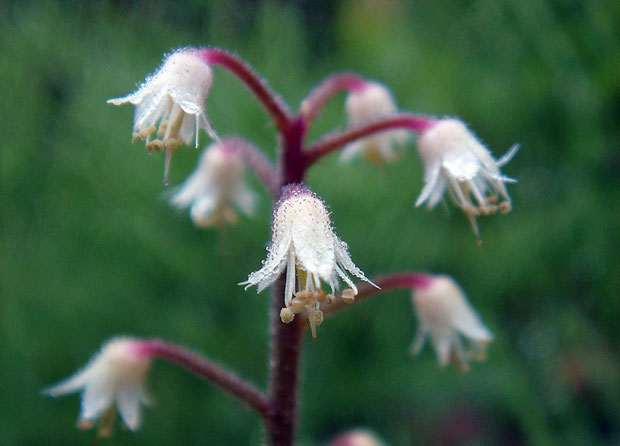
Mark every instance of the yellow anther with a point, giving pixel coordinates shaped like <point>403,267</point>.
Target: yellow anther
<point>504,207</point>
<point>162,128</point>
<point>348,296</point>
<point>304,295</point>
<point>286,315</point>
<point>329,298</point>
<point>317,317</point>
<point>154,146</point>
<point>297,306</point>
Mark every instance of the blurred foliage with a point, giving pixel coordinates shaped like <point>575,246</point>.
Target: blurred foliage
<point>90,248</point>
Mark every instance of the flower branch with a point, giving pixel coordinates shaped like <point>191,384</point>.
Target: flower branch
<point>334,141</point>
<point>270,101</point>
<point>396,281</point>
<point>208,370</point>
<point>313,104</point>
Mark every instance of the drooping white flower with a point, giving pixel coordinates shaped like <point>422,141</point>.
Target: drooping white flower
<point>170,104</point>
<point>216,185</point>
<point>116,375</point>
<point>366,102</point>
<point>444,314</point>
<point>303,241</point>
<point>455,159</point>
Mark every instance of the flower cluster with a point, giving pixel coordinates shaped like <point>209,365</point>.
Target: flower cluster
<point>170,112</point>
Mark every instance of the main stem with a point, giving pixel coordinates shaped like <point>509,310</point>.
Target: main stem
<point>286,340</point>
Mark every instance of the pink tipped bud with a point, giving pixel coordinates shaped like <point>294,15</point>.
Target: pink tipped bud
<point>117,374</point>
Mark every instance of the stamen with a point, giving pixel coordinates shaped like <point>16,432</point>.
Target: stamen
<point>168,158</point>
<point>348,296</point>
<point>315,317</point>
<point>505,207</point>
<point>508,155</point>
<point>286,315</point>
<point>162,128</point>
<point>176,118</point>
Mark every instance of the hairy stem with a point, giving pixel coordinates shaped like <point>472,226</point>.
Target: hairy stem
<point>313,104</point>
<point>286,340</point>
<point>292,157</point>
<point>335,141</point>
<point>270,101</point>
<point>210,371</point>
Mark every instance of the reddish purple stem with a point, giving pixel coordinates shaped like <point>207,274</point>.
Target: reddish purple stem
<point>313,104</point>
<point>208,370</point>
<point>404,280</point>
<point>271,102</point>
<point>286,341</point>
<point>335,141</point>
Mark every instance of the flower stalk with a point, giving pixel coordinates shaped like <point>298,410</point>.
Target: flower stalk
<point>335,141</point>
<point>313,104</point>
<point>271,102</point>
<point>210,371</point>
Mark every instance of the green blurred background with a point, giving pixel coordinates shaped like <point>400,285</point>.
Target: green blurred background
<point>90,249</point>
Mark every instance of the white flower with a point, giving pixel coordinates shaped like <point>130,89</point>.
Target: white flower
<point>169,104</point>
<point>367,102</point>
<point>216,183</point>
<point>455,159</point>
<point>444,312</point>
<point>117,374</point>
<point>303,241</point>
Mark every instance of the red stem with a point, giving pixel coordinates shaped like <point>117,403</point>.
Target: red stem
<point>271,102</point>
<point>286,341</point>
<point>312,105</point>
<point>292,159</point>
<point>404,280</point>
<point>210,371</point>
<point>335,141</point>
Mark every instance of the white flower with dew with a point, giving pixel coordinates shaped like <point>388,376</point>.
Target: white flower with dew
<point>303,241</point>
<point>444,314</point>
<point>369,101</point>
<point>170,104</point>
<point>455,159</point>
<point>116,375</point>
<point>216,185</point>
